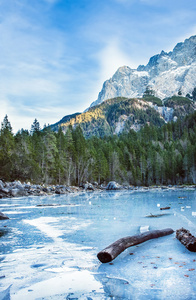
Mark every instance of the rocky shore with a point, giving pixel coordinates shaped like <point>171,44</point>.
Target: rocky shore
<point>18,189</point>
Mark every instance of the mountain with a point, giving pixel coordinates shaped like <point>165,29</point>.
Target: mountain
<point>117,115</point>
<point>166,74</point>
<point>65,119</point>
<point>154,94</point>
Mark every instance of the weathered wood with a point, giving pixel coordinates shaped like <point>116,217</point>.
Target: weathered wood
<point>186,238</point>
<point>163,208</point>
<point>156,216</point>
<point>113,250</point>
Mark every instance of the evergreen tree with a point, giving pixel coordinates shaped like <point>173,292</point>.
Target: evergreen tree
<point>71,157</point>
<point>6,149</point>
<point>194,94</point>
<point>81,161</point>
<point>61,157</point>
<point>35,127</point>
<point>24,165</point>
<point>148,92</point>
<point>49,155</point>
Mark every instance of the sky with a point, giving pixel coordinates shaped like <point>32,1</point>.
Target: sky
<point>56,54</point>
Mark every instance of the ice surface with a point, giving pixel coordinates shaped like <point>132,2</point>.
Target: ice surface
<point>49,252</point>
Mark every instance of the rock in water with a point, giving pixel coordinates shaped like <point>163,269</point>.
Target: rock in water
<point>113,185</point>
<point>3,217</point>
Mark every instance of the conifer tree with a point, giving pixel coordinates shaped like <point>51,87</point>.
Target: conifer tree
<point>6,149</point>
<point>49,155</point>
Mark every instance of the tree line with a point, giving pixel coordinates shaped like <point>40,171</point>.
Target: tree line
<point>154,155</point>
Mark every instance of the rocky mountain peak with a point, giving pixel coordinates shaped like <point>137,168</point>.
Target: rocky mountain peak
<point>185,53</point>
<point>123,70</point>
<point>166,73</point>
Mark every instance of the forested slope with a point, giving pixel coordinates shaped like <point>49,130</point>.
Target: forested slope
<point>118,115</point>
<point>153,155</point>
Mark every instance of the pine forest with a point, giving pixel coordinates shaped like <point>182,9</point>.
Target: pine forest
<point>153,156</point>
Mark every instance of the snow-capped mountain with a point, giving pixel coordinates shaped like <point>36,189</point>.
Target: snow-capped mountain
<point>165,73</point>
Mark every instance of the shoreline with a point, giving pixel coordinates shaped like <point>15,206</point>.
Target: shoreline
<point>18,189</point>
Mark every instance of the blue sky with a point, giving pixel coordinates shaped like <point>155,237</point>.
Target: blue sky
<point>56,54</point>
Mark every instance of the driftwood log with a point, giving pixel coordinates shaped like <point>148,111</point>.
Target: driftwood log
<point>155,216</point>
<point>163,208</point>
<point>113,250</point>
<point>186,238</point>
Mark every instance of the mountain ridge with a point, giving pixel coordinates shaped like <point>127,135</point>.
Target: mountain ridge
<point>120,114</point>
<point>152,94</point>
<point>166,73</point>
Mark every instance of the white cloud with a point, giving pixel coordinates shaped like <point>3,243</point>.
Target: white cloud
<point>34,70</point>
<point>112,57</point>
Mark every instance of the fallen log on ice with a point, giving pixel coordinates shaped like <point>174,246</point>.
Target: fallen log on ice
<point>113,250</point>
<point>163,208</point>
<point>186,238</point>
<point>155,216</point>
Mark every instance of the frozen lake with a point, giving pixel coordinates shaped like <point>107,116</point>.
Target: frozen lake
<point>49,246</point>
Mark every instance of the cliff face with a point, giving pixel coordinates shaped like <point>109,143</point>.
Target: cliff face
<point>165,73</point>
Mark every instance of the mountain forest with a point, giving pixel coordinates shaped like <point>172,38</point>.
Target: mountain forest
<point>152,156</point>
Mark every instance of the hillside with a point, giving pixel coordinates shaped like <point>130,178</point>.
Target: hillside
<point>121,114</point>
<point>65,119</point>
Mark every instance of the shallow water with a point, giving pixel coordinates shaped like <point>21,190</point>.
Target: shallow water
<point>50,251</point>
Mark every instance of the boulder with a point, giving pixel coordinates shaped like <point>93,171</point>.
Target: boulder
<point>27,186</point>
<point>68,189</point>
<point>89,186</point>
<point>46,190</point>
<point>17,192</point>
<point>5,191</point>
<point>102,186</point>
<point>3,216</point>
<point>14,192</point>
<point>17,183</point>
<point>36,187</point>
<point>1,185</point>
<point>113,185</point>
<point>60,189</point>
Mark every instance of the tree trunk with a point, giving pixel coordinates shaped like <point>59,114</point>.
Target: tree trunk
<point>187,239</point>
<point>113,250</point>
